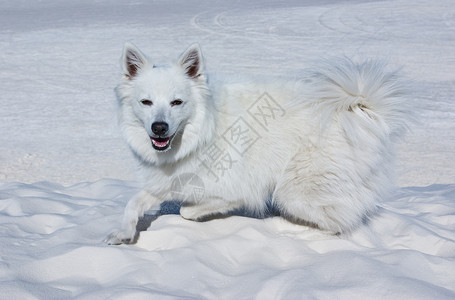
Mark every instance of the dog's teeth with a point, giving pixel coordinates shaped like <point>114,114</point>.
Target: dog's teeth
<point>160,144</point>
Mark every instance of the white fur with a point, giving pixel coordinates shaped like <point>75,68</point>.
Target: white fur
<point>323,155</point>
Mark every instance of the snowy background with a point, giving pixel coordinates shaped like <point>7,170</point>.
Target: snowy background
<point>66,174</point>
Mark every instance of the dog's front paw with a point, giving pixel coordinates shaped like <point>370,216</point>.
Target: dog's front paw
<point>117,238</point>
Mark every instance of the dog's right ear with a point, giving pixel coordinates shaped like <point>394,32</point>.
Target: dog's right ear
<point>132,60</point>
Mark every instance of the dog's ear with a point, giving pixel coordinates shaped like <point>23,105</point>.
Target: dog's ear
<point>192,62</point>
<point>132,60</point>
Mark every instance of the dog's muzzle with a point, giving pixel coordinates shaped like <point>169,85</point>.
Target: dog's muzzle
<point>161,142</point>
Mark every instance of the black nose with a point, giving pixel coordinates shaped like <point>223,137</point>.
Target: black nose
<point>160,128</point>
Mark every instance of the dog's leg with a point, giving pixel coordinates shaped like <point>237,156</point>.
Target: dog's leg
<point>135,209</point>
<point>323,188</point>
<point>211,207</point>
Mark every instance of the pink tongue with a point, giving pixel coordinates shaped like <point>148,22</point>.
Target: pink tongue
<point>160,144</point>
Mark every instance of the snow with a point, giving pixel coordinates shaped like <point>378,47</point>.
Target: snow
<point>66,174</point>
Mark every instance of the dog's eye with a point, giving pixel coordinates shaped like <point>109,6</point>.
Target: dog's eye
<point>146,102</point>
<point>176,102</point>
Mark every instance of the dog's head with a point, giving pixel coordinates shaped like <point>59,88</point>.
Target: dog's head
<point>165,111</point>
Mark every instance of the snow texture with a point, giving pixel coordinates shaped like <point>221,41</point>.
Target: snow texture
<point>66,174</point>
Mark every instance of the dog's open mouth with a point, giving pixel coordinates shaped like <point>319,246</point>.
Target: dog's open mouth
<point>161,143</point>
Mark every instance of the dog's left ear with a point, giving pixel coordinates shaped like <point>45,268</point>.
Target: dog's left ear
<point>192,62</point>
<point>132,60</point>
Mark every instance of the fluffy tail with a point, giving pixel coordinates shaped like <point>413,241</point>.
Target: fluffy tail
<point>366,89</point>
<point>361,109</point>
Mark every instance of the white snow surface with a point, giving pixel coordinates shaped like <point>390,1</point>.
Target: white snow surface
<point>66,174</point>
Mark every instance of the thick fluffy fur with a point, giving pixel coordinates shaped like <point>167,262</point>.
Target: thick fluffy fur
<point>320,147</point>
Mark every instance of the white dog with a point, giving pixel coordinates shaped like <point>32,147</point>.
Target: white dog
<point>318,148</point>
